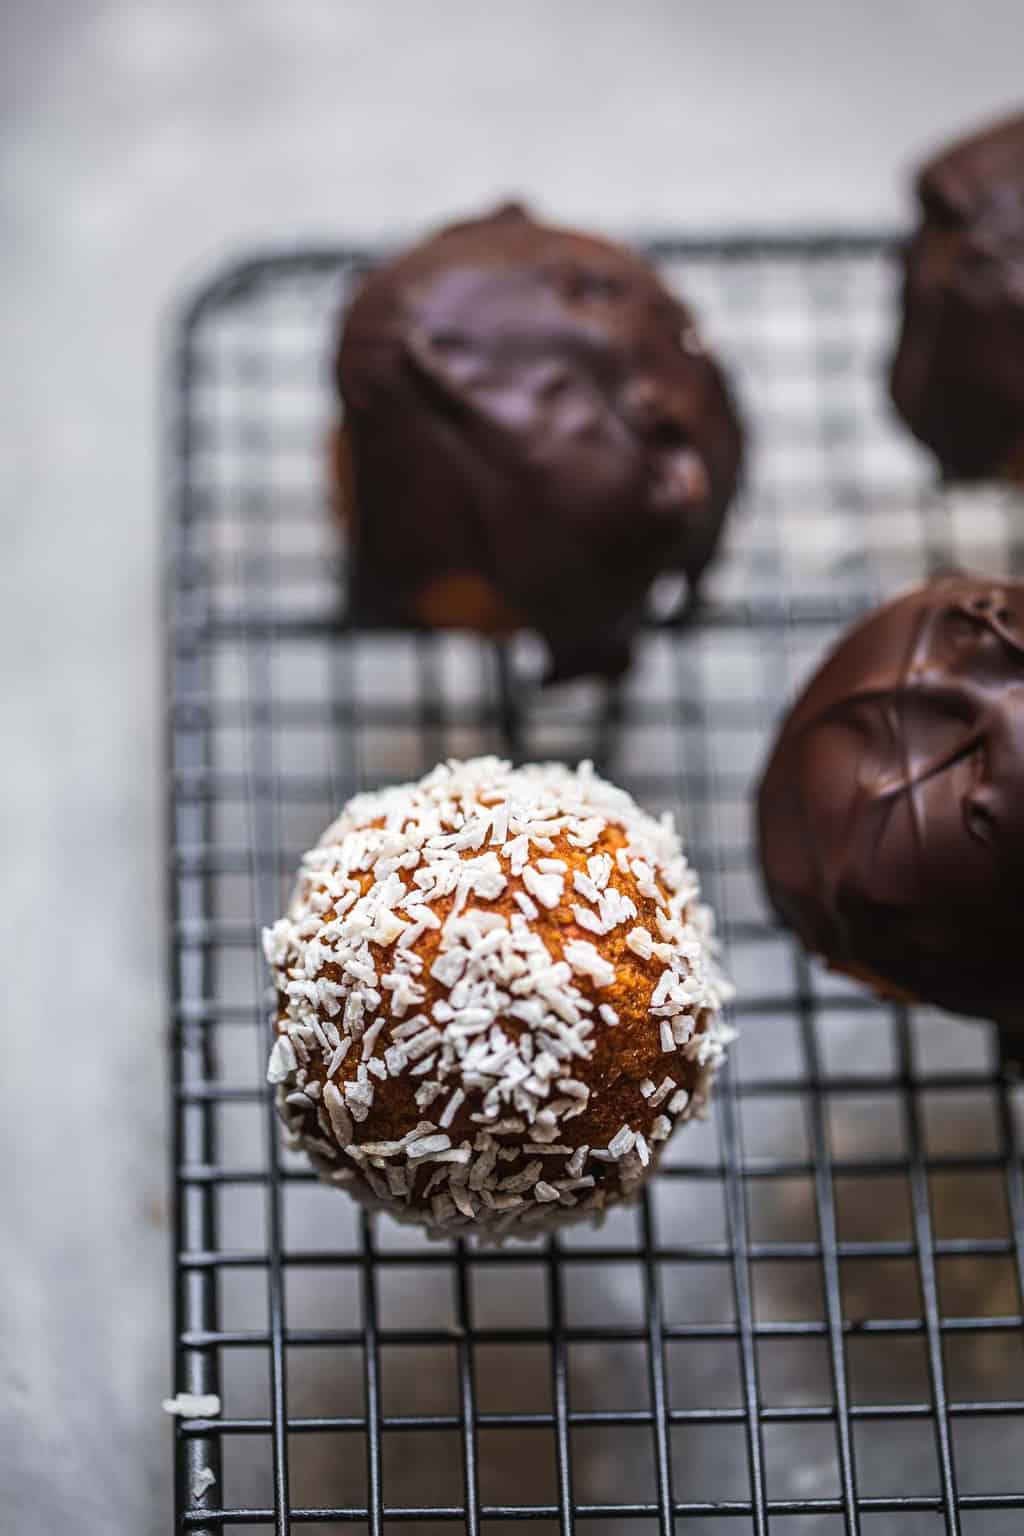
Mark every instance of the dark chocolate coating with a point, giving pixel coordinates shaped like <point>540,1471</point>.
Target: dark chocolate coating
<point>529,413</point>
<point>891,812</point>
<point>958,374</point>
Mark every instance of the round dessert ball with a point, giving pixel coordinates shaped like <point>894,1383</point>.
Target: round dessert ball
<point>958,374</point>
<point>496,997</point>
<point>533,432</point>
<point>891,812</point>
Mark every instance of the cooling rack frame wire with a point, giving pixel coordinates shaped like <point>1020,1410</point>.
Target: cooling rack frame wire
<point>768,609</point>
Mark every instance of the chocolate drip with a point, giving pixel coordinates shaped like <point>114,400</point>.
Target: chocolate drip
<point>891,812</point>
<point>533,433</point>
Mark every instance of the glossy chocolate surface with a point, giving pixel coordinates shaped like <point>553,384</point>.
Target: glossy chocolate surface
<point>534,433</point>
<point>958,374</point>
<point>891,812</point>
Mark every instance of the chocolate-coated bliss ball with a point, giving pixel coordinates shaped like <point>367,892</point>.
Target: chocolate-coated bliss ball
<point>958,375</point>
<point>892,808</point>
<point>533,432</point>
<point>496,997</point>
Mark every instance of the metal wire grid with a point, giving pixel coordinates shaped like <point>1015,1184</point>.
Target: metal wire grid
<point>812,1322</point>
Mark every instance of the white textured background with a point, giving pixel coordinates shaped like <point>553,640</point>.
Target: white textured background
<point>138,142</point>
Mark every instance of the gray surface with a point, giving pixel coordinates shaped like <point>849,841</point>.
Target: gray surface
<point>138,142</point>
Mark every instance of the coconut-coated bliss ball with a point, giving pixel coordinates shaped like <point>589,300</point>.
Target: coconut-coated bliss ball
<point>496,997</point>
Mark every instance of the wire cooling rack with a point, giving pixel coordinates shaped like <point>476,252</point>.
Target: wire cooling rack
<point>813,1321</point>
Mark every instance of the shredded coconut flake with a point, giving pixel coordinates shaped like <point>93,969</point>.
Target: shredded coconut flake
<point>586,961</point>
<point>426,1146</point>
<point>202,1482</point>
<point>547,889</point>
<point>192,1405</point>
<point>640,942</point>
<point>283,1060</point>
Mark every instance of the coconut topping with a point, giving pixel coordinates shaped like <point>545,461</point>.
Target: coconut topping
<point>192,1405</point>
<point>202,1482</point>
<point>477,936</point>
